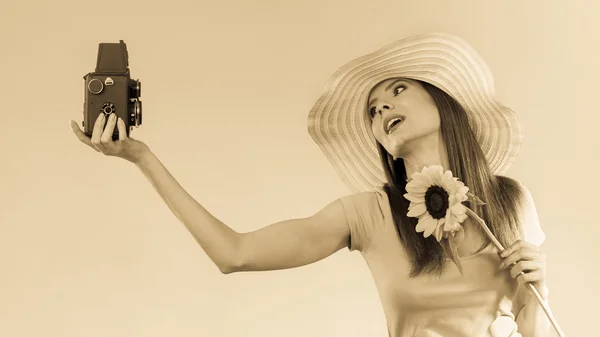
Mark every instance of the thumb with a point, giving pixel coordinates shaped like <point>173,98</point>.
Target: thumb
<point>73,125</point>
<point>81,136</point>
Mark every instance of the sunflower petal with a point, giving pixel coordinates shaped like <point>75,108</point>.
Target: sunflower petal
<point>431,228</point>
<point>461,197</point>
<point>436,177</point>
<point>438,172</point>
<point>458,209</point>
<point>455,187</point>
<point>424,179</point>
<point>418,198</point>
<point>447,181</point>
<point>416,210</point>
<point>426,170</point>
<point>416,188</point>
<point>439,229</point>
<point>450,222</point>
<point>455,224</point>
<point>439,233</point>
<point>416,178</point>
<point>424,222</point>
<point>414,204</point>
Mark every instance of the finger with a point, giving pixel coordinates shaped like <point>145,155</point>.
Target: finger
<point>97,132</point>
<point>122,129</point>
<point>109,130</point>
<point>522,255</point>
<point>81,135</point>
<point>517,245</point>
<point>534,276</point>
<point>525,267</point>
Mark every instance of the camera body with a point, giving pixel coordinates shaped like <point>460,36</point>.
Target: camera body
<point>110,89</point>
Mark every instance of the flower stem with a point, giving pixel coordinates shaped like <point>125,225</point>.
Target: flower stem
<point>535,291</point>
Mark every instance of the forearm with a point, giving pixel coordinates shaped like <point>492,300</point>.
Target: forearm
<point>532,320</point>
<point>217,240</point>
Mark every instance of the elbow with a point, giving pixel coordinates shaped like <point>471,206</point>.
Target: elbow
<point>227,270</point>
<point>230,267</point>
<point>233,262</point>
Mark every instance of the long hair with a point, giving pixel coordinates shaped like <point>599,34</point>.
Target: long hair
<point>467,162</point>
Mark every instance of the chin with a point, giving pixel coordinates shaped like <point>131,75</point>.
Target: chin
<point>394,145</point>
<point>396,150</point>
<point>396,156</point>
<point>396,153</point>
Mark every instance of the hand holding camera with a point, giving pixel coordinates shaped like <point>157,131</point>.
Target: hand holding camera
<point>112,98</point>
<point>102,141</point>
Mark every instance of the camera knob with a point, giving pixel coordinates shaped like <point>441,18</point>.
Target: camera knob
<point>95,86</point>
<point>108,108</point>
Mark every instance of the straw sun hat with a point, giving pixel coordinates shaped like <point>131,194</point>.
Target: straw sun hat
<point>340,125</point>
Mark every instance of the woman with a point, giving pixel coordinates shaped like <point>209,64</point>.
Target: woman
<point>424,100</point>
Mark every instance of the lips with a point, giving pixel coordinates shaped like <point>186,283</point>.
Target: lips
<point>391,122</point>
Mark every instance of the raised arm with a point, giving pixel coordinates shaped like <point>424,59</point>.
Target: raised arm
<point>293,243</point>
<point>282,245</point>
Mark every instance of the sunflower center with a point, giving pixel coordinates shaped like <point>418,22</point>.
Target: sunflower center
<point>436,201</point>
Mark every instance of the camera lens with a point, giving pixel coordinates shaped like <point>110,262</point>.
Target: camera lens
<point>138,114</point>
<point>135,115</point>
<point>135,89</point>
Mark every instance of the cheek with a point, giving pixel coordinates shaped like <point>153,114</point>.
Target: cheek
<point>376,130</point>
<point>426,123</point>
<point>433,119</point>
<point>383,139</point>
<point>434,123</point>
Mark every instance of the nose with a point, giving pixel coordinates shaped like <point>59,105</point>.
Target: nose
<point>383,106</point>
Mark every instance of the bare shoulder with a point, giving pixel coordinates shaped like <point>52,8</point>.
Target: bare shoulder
<point>526,208</point>
<point>349,208</point>
<point>517,190</point>
<point>529,217</point>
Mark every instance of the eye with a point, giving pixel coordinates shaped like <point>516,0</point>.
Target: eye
<point>372,112</point>
<point>399,89</point>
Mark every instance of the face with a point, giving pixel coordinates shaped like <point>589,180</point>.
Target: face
<point>404,116</point>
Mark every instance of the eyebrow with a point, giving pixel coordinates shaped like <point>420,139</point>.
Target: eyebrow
<point>388,88</point>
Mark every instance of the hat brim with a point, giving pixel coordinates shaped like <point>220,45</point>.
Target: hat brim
<point>340,126</point>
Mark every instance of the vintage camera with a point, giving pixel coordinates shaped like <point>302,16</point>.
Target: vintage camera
<point>110,89</point>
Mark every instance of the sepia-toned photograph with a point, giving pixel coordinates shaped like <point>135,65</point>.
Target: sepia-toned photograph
<point>299,168</point>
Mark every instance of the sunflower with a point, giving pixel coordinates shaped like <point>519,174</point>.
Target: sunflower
<point>436,199</point>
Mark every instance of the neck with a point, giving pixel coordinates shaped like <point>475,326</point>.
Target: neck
<point>426,155</point>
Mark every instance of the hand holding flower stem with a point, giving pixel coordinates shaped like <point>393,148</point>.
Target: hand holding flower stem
<point>533,289</point>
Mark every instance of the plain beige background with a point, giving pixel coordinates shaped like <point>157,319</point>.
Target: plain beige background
<point>88,249</point>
